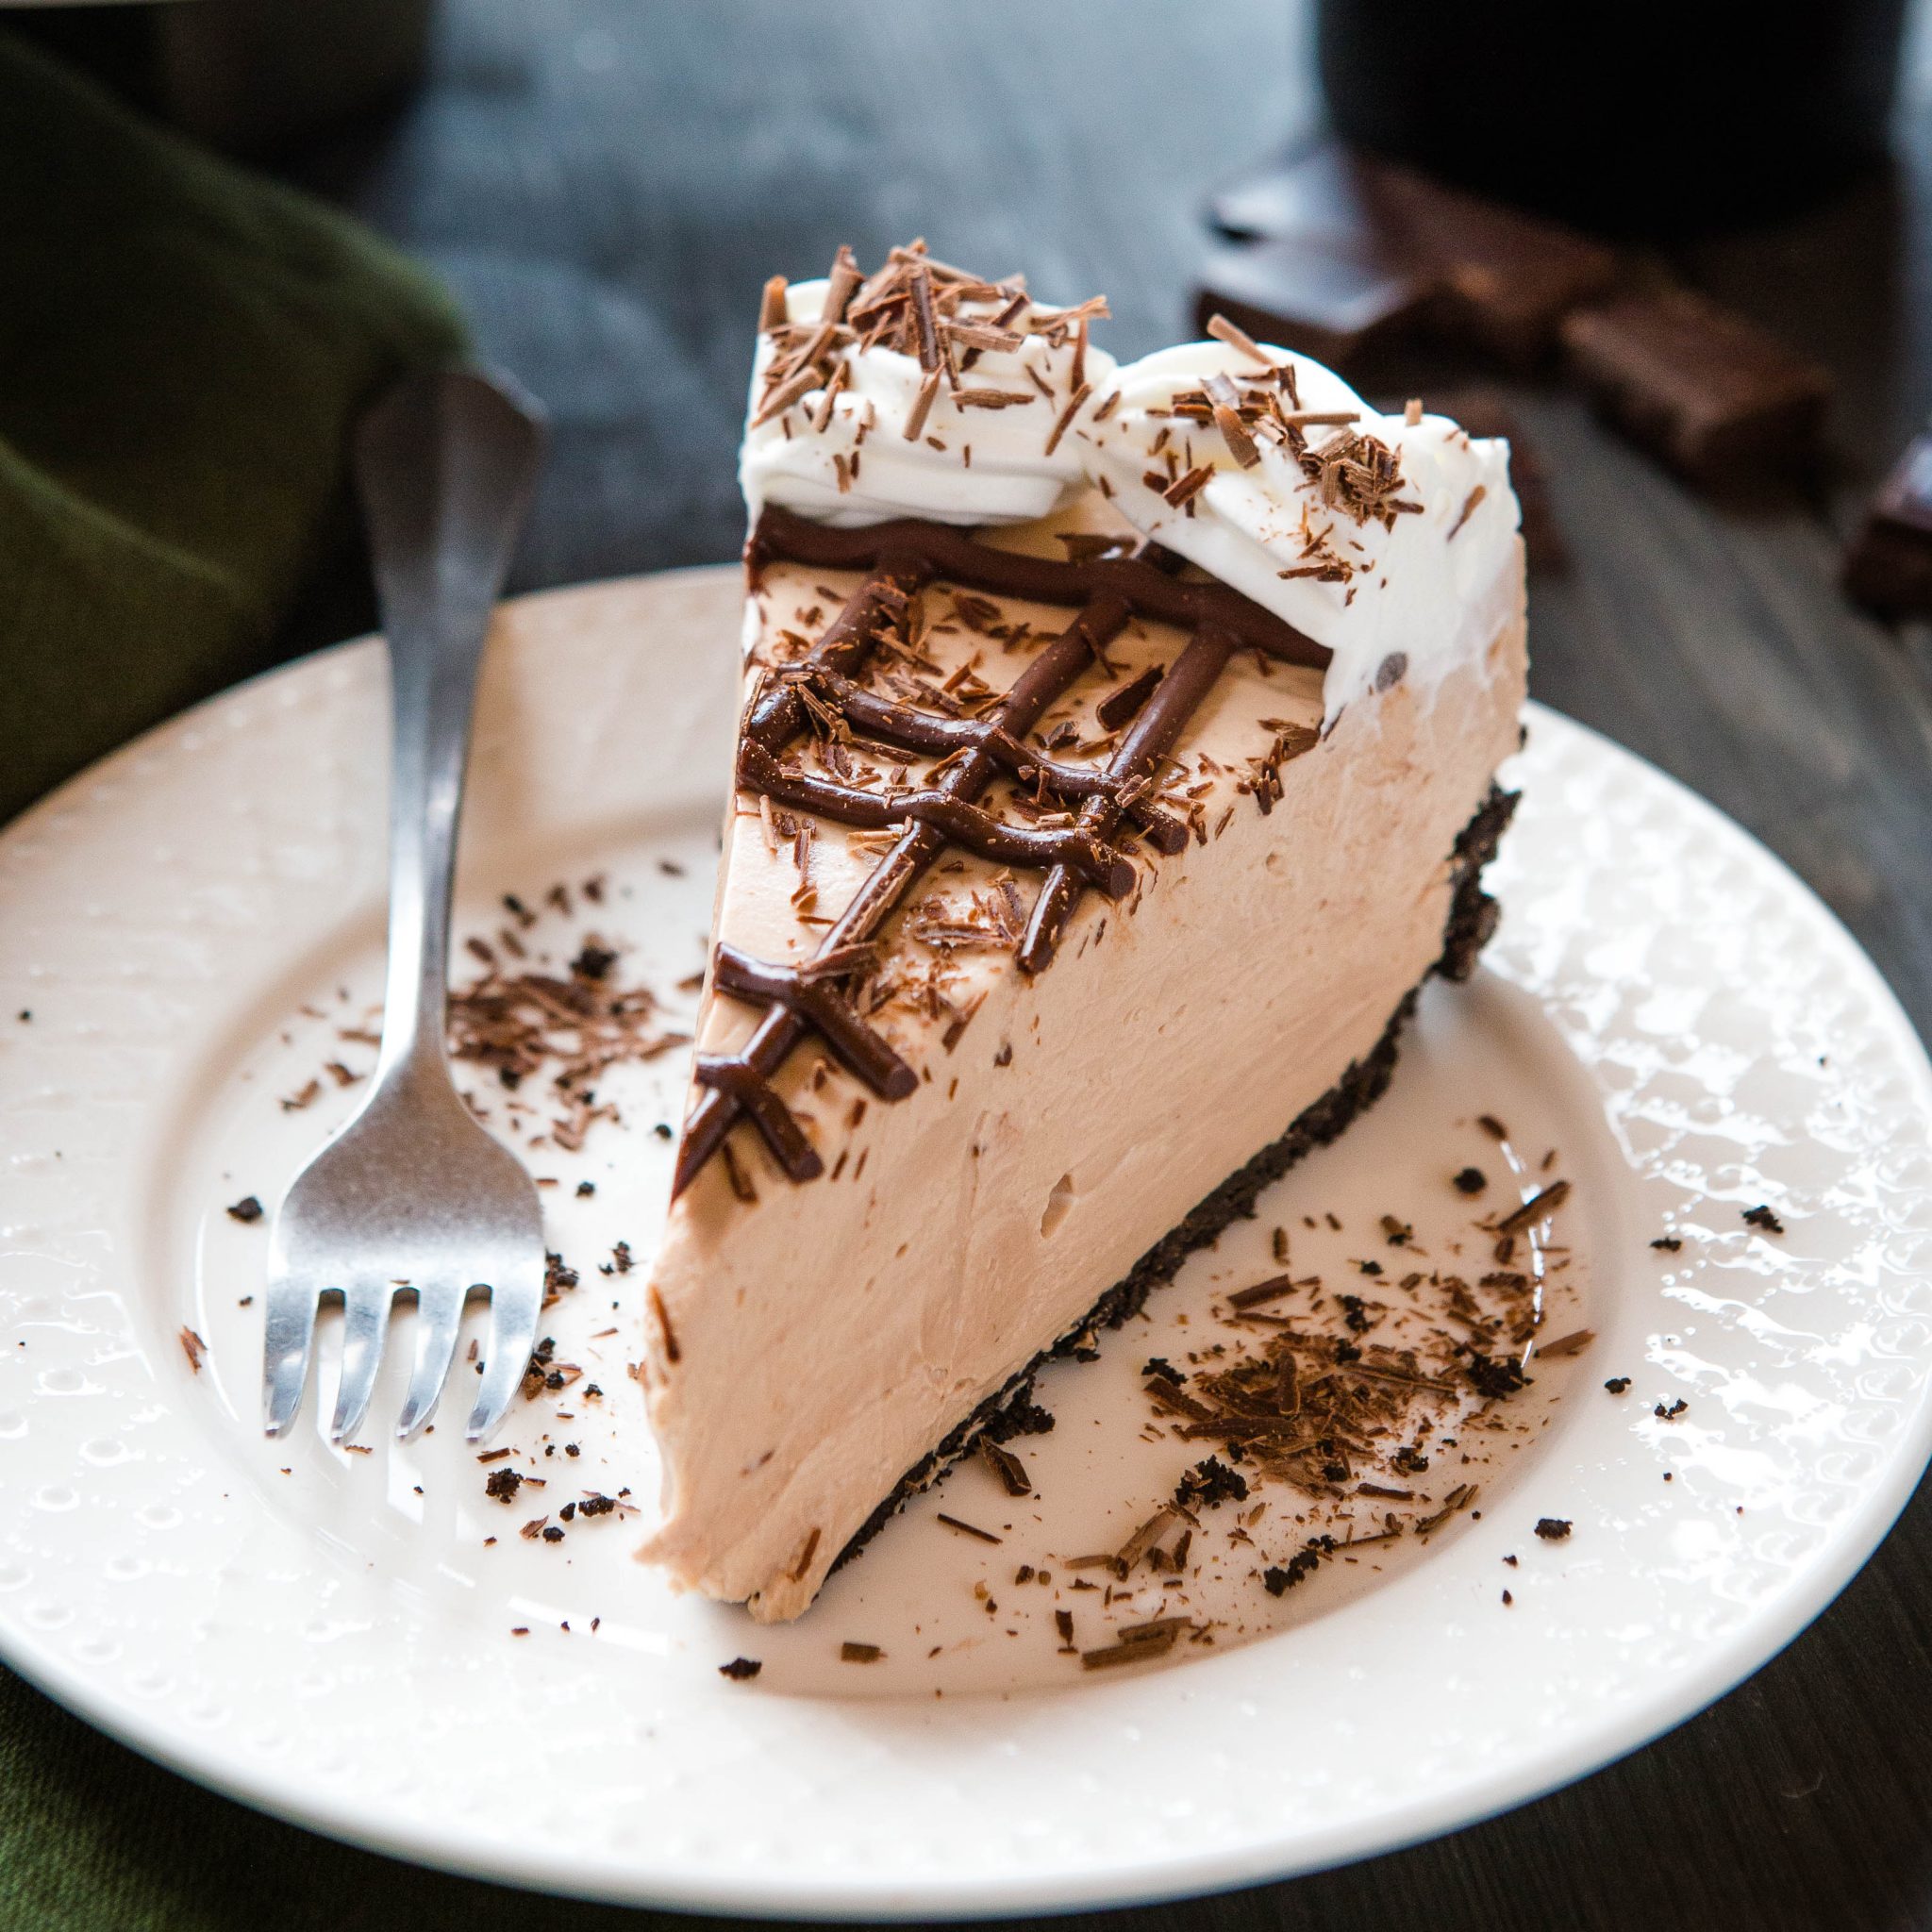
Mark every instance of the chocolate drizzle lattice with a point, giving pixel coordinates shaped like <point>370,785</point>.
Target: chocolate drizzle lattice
<point>899,559</point>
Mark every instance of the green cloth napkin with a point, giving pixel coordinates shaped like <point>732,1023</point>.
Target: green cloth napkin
<point>183,347</point>
<point>97,1839</point>
<point>93,1839</point>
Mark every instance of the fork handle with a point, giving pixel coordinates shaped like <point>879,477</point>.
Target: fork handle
<point>445,465</point>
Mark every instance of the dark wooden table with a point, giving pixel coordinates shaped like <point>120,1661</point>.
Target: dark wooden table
<point>606,182</point>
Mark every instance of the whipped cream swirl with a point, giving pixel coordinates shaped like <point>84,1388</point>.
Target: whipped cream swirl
<point>982,430</point>
<point>924,392</point>
<point>1386,538</point>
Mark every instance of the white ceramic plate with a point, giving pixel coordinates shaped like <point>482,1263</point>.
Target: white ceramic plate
<point>193,925</point>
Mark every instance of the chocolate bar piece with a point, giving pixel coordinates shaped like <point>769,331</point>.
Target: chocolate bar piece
<point>1323,196</point>
<point>1712,394</point>
<point>1887,565</point>
<point>1470,271</point>
<point>1505,280</point>
<point>1341,306</point>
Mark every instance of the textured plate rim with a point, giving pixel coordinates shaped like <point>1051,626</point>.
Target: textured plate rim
<point>1587,1748</point>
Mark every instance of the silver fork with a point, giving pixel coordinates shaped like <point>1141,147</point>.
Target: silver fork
<point>412,1194</point>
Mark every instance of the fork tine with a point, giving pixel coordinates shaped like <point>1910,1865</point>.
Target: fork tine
<point>288,1336</point>
<point>438,1321</point>
<point>515,1305</point>
<point>365,1324</point>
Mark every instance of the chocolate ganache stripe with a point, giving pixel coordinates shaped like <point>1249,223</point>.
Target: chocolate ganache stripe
<point>907,729</point>
<point>741,1083</point>
<point>733,1081</point>
<point>865,1052</point>
<point>942,551</point>
<point>1152,736</point>
<point>880,603</point>
<point>900,558</point>
<point>961,823</point>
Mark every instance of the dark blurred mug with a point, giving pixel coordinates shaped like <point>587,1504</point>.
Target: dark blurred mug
<point>1638,119</point>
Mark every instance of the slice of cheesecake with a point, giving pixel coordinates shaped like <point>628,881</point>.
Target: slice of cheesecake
<point>1069,892</point>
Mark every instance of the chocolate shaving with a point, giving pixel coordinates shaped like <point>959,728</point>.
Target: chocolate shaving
<point>925,324</point>
<point>1065,420</point>
<point>1138,1644</point>
<point>1184,489</point>
<point>1224,330</point>
<point>1572,1343</point>
<point>1462,516</point>
<point>840,286</point>
<point>1270,1290</point>
<point>1006,1466</point>
<point>1225,401</point>
<point>521,1024</point>
<point>985,1536</point>
<point>1458,1498</point>
<point>1126,1654</point>
<point>1535,1208</point>
<point>922,408</point>
<point>781,398</point>
<point>1142,1539</point>
<point>1120,707</point>
<point>993,398</point>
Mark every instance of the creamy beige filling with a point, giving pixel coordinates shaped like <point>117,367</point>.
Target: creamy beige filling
<point>807,1348</point>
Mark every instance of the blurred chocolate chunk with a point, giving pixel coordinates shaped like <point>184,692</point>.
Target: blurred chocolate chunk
<point>1323,196</point>
<point>1485,412</point>
<point>1504,279</point>
<point>1341,228</point>
<point>1712,394</point>
<point>1887,565</point>
<point>1343,305</point>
